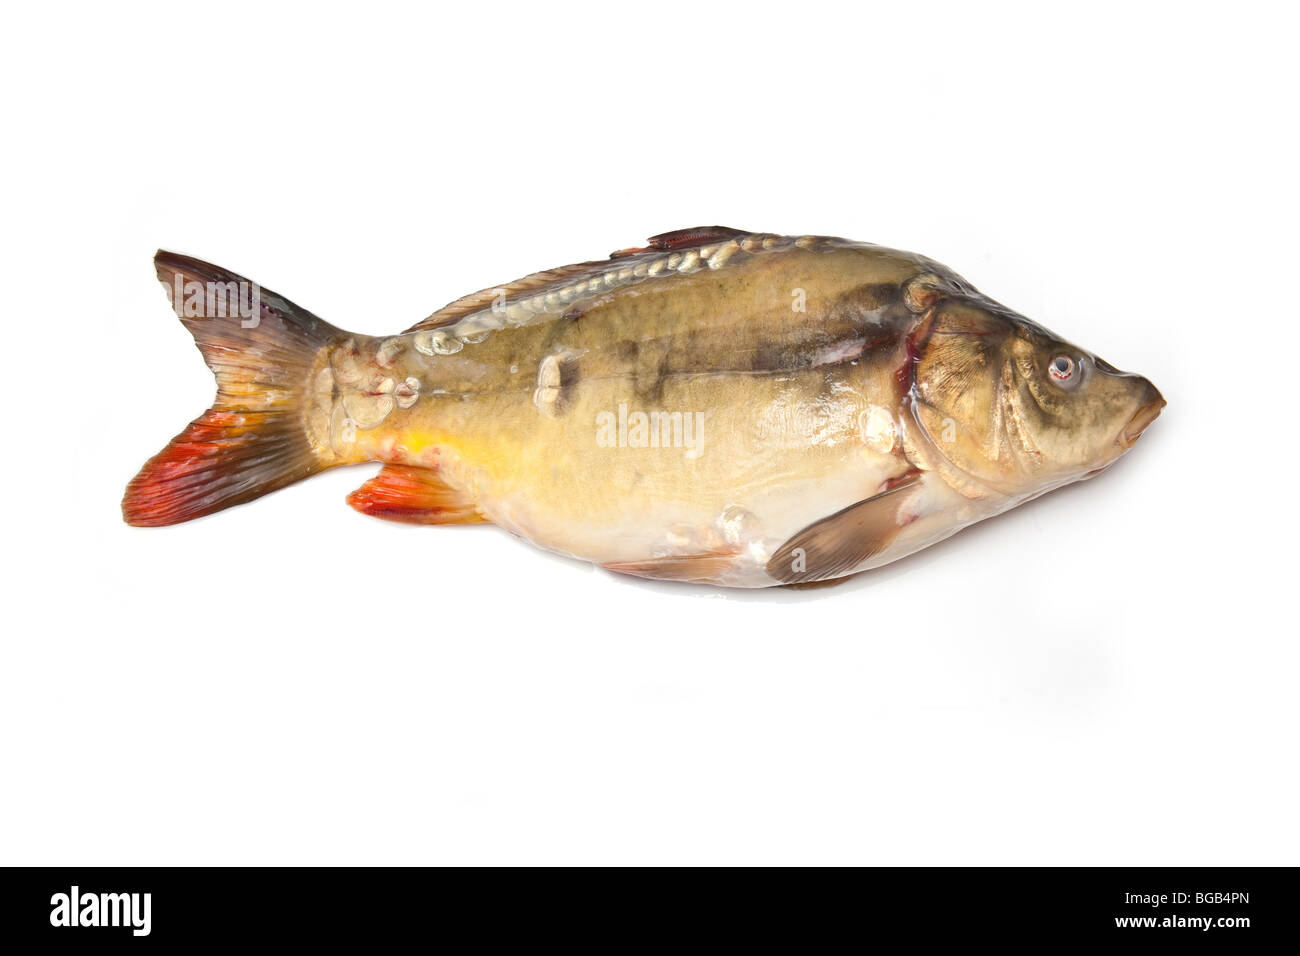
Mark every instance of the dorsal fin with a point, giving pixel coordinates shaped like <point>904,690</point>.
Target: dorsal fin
<point>478,301</point>
<point>682,239</point>
<point>695,236</point>
<point>541,281</point>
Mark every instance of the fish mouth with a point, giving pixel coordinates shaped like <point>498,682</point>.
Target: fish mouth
<point>1143,417</point>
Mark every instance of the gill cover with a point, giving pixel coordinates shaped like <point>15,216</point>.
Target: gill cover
<point>956,391</point>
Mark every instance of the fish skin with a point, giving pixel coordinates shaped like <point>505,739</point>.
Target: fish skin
<point>811,374</point>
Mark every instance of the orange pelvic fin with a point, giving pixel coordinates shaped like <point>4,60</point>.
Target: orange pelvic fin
<point>415,496</point>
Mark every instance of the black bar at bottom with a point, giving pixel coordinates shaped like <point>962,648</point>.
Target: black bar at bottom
<point>1226,907</point>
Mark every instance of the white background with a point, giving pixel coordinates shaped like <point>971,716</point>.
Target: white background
<point>1106,676</point>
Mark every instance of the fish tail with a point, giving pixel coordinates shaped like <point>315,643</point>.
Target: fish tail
<point>263,351</point>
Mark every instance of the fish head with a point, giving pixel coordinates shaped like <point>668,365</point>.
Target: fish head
<point>1016,408</point>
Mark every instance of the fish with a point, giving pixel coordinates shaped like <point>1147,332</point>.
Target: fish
<point>718,406</point>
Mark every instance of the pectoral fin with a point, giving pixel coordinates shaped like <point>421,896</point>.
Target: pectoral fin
<point>414,495</point>
<point>815,585</point>
<point>834,546</point>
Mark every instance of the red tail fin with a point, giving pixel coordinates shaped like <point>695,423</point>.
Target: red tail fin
<point>262,348</point>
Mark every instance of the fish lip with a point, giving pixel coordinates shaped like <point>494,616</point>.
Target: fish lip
<point>1141,419</point>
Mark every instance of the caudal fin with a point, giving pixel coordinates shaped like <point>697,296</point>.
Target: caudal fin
<point>253,440</point>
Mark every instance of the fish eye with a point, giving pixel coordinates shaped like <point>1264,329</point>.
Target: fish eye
<point>1063,369</point>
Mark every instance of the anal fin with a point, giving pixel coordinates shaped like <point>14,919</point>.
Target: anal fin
<point>415,496</point>
<point>837,544</point>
